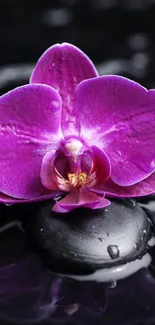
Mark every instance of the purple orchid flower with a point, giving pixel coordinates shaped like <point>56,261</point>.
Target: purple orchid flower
<point>71,131</point>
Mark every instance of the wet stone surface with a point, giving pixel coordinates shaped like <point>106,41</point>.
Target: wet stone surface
<point>148,205</point>
<point>113,251</point>
<point>86,240</point>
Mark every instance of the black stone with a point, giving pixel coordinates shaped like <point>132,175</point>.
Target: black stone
<point>86,240</point>
<point>147,203</point>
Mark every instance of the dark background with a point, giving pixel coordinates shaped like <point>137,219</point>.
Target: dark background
<point>119,36</point>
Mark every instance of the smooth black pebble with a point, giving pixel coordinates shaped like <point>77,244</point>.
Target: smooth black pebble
<point>85,240</point>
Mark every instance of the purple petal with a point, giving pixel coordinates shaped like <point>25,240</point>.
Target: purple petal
<point>145,187</point>
<point>50,176</point>
<point>118,115</point>
<point>86,162</point>
<point>29,126</point>
<point>43,197</point>
<point>101,165</point>
<point>64,66</point>
<point>80,198</point>
<point>47,173</point>
<point>62,164</point>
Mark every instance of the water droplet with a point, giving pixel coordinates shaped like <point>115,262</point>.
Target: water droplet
<point>55,103</point>
<point>101,239</point>
<point>8,204</point>
<point>133,202</point>
<point>93,226</point>
<point>42,231</point>
<point>135,245</point>
<point>113,284</point>
<point>113,251</point>
<point>144,231</point>
<point>51,67</point>
<point>152,163</point>
<point>151,242</point>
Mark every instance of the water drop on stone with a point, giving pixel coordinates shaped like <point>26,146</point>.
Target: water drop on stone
<point>133,202</point>
<point>135,245</point>
<point>101,239</point>
<point>113,284</point>
<point>113,251</point>
<point>114,256</point>
<point>42,231</point>
<point>8,204</point>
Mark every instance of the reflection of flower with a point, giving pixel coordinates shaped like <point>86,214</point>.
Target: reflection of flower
<point>86,138</point>
<point>29,294</point>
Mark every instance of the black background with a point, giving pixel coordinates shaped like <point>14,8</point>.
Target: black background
<point>119,36</point>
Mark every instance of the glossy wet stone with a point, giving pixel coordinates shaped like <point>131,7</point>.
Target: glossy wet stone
<point>148,205</point>
<point>86,240</point>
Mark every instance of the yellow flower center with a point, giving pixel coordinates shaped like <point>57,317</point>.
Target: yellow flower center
<point>77,180</point>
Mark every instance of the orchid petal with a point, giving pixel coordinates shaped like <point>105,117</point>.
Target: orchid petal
<point>101,165</point>
<point>50,175</point>
<point>29,126</point>
<point>86,162</point>
<point>145,187</point>
<point>8,200</point>
<point>80,198</point>
<point>117,115</point>
<point>64,66</point>
<point>47,172</point>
